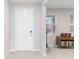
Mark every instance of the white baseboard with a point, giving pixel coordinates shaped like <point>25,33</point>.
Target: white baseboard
<point>5,56</point>
<point>13,50</point>
<point>36,50</point>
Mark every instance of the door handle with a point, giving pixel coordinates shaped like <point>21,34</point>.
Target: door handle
<point>30,31</point>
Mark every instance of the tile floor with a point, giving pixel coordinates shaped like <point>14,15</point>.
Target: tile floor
<point>53,53</point>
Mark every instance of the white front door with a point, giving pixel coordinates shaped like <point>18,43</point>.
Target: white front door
<point>23,28</point>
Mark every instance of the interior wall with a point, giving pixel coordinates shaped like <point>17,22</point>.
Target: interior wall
<point>37,17</point>
<point>6,27</point>
<point>43,30</point>
<point>62,18</point>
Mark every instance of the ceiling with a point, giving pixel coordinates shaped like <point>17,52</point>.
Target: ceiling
<point>50,3</point>
<point>60,4</point>
<point>26,1</point>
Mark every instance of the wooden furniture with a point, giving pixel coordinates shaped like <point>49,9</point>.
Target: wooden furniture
<point>65,40</point>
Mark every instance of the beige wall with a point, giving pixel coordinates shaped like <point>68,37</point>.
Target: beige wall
<point>6,27</point>
<point>62,20</point>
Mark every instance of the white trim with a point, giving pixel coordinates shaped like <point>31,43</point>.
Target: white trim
<point>43,54</point>
<point>23,50</point>
<point>36,50</point>
<point>12,50</point>
<point>45,2</point>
